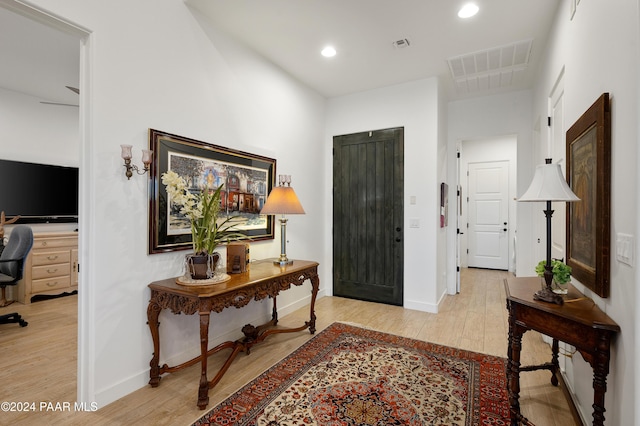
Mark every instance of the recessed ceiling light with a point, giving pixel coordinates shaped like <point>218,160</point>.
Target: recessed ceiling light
<point>328,52</point>
<point>468,10</point>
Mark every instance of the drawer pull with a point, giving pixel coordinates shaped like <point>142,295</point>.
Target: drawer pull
<point>52,271</point>
<point>50,284</point>
<point>52,257</point>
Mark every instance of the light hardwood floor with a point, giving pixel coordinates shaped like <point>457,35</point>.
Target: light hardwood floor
<point>38,363</point>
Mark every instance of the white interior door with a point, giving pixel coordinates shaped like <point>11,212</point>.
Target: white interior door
<point>488,226</point>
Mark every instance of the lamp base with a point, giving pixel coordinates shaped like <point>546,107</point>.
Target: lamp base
<point>547,295</point>
<point>284,262</point>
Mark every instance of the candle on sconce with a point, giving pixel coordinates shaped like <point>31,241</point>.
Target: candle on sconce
<point>146,156</point>
<point>126,151</point>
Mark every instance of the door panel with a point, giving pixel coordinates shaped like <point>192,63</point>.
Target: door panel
<point>368,216</point>
<point>489,215</point>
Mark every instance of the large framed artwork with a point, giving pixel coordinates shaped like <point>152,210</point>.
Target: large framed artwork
<point>247,179</point>
<point>589,175</point>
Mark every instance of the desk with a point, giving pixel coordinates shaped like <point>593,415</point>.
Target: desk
<point>579,322</point>
<point>264,279</point>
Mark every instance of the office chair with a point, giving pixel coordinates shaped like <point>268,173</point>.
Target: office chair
<point>12,267</point>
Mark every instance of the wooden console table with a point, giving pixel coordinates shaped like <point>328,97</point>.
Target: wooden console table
<point>264,279</point>
<point>578,322</point>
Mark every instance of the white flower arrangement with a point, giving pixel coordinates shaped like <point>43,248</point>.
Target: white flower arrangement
<point>202,210</point>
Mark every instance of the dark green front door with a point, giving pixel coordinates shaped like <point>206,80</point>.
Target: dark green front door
<point>368,215</point>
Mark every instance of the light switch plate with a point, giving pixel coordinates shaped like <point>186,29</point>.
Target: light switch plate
<point>625,248</point>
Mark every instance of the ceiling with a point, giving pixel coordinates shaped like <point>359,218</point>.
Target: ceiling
<point>38,60</point>
<point>291,34</point>
<point>497,50</point>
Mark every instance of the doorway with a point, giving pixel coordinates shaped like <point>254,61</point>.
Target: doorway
<point>488,220</point>
<point>38,20</point>
<point>368,216</point>
<point>487,182</point>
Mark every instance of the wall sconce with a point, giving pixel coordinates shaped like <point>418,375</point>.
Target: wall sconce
<point>126,155</point>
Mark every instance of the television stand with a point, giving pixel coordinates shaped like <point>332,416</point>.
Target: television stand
<point>51,267</point>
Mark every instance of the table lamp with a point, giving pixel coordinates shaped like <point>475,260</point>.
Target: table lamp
<point>548,185</point>
<point>282,200</point>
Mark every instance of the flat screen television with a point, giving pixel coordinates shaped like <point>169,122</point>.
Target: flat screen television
<point>39,193</point>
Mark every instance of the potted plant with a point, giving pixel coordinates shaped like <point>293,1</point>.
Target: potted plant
<point>207,230</point>
<point>561,274</point>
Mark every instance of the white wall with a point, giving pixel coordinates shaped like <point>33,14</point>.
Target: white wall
<point>443,265</point>
<point>413,106</point>
<point>599,50</point>
<point>38,133</point>
<point>160,66</point>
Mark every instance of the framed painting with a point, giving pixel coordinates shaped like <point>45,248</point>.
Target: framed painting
<point>589,175</point>
<point>246,181</point>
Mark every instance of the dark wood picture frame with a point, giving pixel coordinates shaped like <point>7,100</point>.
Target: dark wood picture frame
<point>247,178</point>
<point>589,175</point>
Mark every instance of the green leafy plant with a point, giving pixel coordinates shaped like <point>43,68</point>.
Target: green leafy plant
<point>561,271</point>
<point>207,229</point>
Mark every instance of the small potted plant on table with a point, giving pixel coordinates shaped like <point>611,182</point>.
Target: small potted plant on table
<point>561,274</point>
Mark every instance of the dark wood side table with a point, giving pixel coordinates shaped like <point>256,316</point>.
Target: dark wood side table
<point>264,279</point>
<point>578,322</point>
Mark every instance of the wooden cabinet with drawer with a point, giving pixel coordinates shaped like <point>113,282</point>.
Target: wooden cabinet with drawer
<point>51,267</point>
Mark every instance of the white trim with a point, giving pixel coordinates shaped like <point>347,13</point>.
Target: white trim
<point>86,321</point>
<point>424,307</point>
<point>44,17</point>
<point>86,345</point>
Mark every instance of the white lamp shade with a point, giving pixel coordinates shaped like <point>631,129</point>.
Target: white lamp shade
<point>282,200</point>
<point>549,185</point>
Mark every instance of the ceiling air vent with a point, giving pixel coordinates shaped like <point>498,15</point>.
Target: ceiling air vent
<point>402,43</point>
<point>491,68</point>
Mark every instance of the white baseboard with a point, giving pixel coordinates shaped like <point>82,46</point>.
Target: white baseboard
<point>420,306</point>
<point>574,399</point>
<point>140,380</point>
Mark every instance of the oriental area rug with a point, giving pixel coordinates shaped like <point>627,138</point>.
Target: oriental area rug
<point>348,375</point>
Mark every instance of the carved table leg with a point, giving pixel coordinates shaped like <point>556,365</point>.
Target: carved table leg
<point>315,284</point>
<point>153,311</point>
<point>600,371</point>
<point>274,312</point>
<point>515,346</point>
<point>509,354</point>
<point>555,366</point>
<point>203,389</point>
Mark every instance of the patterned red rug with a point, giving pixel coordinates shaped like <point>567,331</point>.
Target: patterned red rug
<point>348,375</point>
